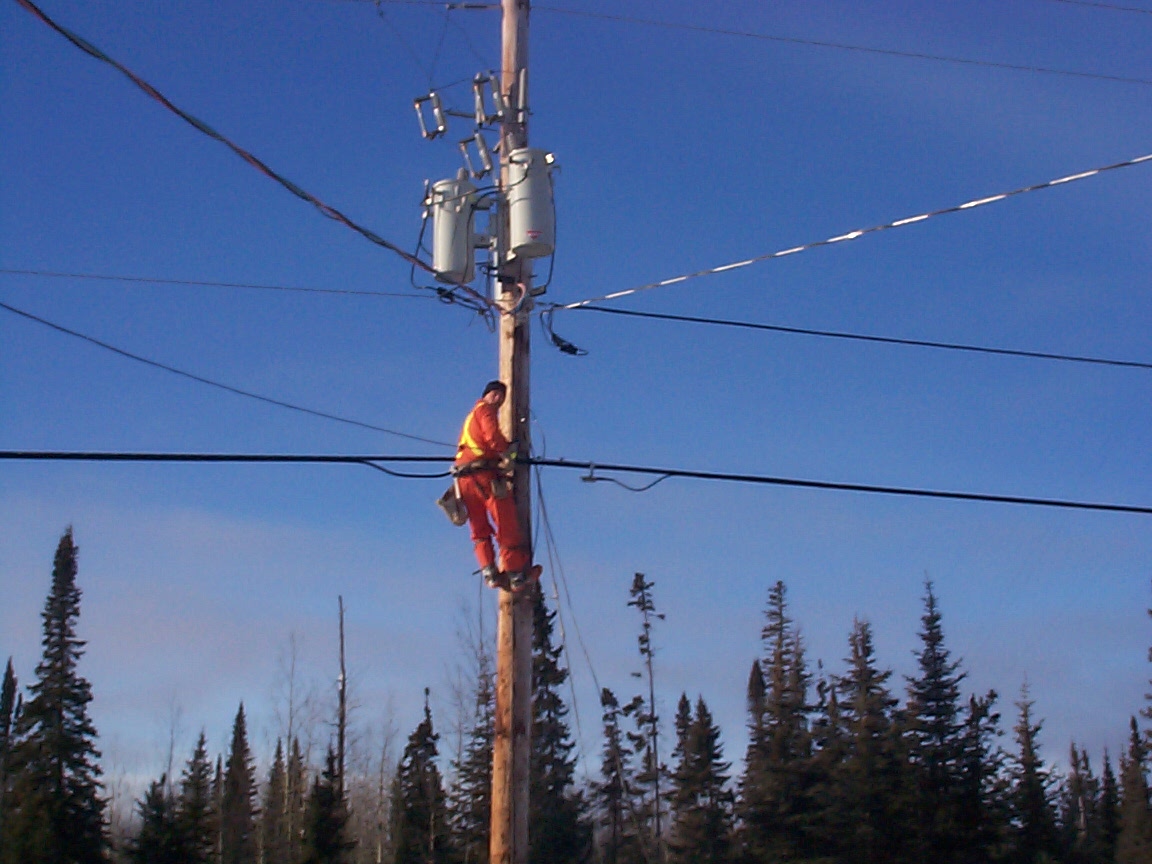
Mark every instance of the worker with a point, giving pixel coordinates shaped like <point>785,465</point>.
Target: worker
<point>483,470</point>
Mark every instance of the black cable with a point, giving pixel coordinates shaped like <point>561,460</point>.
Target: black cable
<point>860,337</point>
<point>1112,6</point>
<point>231,458</point>
<point>842,487</point>
<point>913,55</point>
<point>200,125</point>
<point>246,393</point>
<point>108,277</point>
<point>44,455</point>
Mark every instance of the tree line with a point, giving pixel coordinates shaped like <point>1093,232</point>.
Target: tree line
<point>839,769</point>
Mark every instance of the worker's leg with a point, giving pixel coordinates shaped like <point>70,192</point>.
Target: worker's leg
<point>476,495</point>
<point>515,556</point>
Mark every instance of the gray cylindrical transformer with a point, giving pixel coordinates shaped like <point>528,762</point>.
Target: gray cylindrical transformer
<point>452,204</point>
<point>531,218</point>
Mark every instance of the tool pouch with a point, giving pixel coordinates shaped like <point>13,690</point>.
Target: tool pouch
<point>453,505</point>
<point>501,486</point>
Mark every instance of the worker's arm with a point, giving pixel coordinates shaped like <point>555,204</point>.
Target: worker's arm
<point>491,438</point>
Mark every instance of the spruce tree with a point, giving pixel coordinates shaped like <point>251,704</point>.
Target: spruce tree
<point>558,829</point>
<point>701,802</point>
<point>1078,816</point>
<point>295,801</point>
<point>419,812</point>
<point>273,818</point>
<point>934,728</point>
<point>8,704</point>
<point>868,778</point>
<point>470,801</point>
<point>238,801</point>
<point>646,739</point>
<point>1033,817</point>
<point>1134,842</point>
<point>981,799</point>
<point>326,838</point>
<point>617,819</point>
<point>55,812</point>
<point>159,840</point>
<point>776,793</point>
<point>195,818</point>
<point>217,812</point>
<point>1109,811</point>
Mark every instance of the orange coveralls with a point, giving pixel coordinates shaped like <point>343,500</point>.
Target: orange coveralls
<point>481,447</point>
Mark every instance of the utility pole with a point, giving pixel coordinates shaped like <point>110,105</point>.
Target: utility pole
<point>508,843</point>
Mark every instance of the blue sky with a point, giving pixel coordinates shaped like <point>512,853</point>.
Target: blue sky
<point>680,150</point>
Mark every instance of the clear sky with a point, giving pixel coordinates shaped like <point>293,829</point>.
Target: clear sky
<point>680,150</point>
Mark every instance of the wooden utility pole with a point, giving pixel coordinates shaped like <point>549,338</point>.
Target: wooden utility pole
<point>508,842</point>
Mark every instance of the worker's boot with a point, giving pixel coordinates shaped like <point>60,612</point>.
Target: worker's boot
<point>491,576</point>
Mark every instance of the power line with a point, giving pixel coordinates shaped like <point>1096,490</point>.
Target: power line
<point>590,467</point>
<point>852,235</point>
<point>861,337</point>
<point>840,46</point>
<point>229,388</point>
<point>1112,6</point>
<point>914,55</point>
<point>330,212</point>
<point>232,458</point>
<point>111,277</point>
<point>593,467</point>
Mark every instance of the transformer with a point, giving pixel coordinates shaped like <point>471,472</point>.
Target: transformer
<point>452,205</point>
<point>531,215</point>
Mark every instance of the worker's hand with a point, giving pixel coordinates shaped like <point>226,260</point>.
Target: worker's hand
<point>508,460</point>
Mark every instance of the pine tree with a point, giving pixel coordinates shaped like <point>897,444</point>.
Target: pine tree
<point>701,802</point>
<point>558,829</point>
<point>1134,842</point>
<point>194,811</point>
<point>326,838</point>
<point>470,801</point>
<point>159,840</point>
<point>238,802</point>
<point>55,812</point>
<point>273,818</point>
<point>934,740</point>
<point>1033,818</point>
<point>776,793</point>
<point>419,812</point>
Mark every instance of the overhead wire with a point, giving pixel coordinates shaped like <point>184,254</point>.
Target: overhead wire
<point>863,337</point>
<point>200,125</point>
<point>760,479</point>
<point>756,479</point>
<point>853,235</point>
<point>842,46</point>
<point>1110,6</point>
<point>155,280</point>
<point>817,43</point>
<point>248,394</point>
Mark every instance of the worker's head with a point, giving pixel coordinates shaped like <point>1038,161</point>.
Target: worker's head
<point>494,392</point>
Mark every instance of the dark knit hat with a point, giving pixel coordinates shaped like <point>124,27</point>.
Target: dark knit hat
<point>494,385</point>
